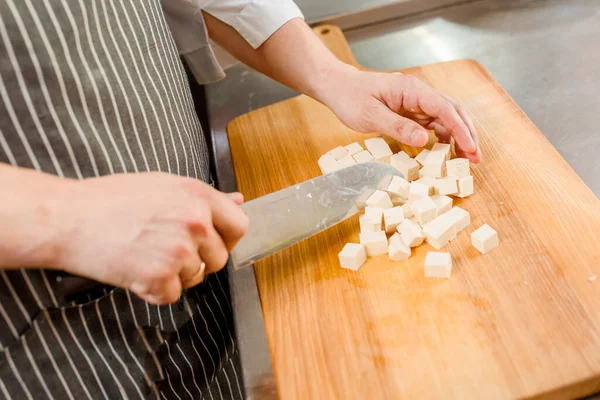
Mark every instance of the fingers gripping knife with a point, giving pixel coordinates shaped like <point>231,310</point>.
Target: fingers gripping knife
<point>284,218</point>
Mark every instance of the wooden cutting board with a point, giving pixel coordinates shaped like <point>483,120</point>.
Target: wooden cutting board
<point>520,321</point>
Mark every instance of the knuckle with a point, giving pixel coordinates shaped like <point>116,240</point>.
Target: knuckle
<point>399,125</point>
<point>195,187</point>
<point>181,251</point>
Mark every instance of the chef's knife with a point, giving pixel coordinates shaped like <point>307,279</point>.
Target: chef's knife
<point>284,218</point>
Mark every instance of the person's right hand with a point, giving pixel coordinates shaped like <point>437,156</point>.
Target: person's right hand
<point>151,233</point>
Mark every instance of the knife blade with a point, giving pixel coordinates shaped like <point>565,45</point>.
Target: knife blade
<point>288,216</point>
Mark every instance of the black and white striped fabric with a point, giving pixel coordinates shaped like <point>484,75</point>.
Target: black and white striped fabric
<point>89,88</point>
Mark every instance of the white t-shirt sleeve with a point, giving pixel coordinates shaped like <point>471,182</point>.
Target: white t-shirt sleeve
<point>254,20</point>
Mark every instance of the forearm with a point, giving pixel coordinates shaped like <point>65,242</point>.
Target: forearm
<point>293,55</point>
<point>29,221</point>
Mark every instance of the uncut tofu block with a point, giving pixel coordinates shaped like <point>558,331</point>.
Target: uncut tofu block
<point>458,167</point>
<point>422,156</point>
<point>328,164</point>
<point>484,239</point>
<point>352,256</point>
<point>418,190</point>
<point>438,265</point>
<point>379,148</point>
<point>379,199</point>
<point>398,250</point>
<point>375,243</point>
<point>465,187</point>
<point>407,166</point>
<point>353,148</point>
<point>347,161</point>
<point>399,187</point>
<point>366,226</point>
<point>363,156</point>
<point>411,233</point>
<point>424,210</point>
<point>392,217</point>
<point>339,152</point>
<point>444,186</point>
<point>442,204</point>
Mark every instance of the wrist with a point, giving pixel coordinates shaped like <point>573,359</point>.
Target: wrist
<point>331,78</point>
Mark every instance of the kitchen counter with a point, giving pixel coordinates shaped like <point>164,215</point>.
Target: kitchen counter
<point>544,53</point>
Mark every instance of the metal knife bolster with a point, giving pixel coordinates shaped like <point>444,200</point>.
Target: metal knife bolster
<point>286,217</point>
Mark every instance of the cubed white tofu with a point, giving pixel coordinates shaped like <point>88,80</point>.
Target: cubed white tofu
<point>421,174</point>
<point>374,216</point>
<point>353,148</point>
<point>363,156</point>
<point>366,226</point>
<point>328,164</point>
<point>339,152</point>
<point>352,256</point>
<point>399,187</point>
<point>465,187</point>
<point>438,265</point>
<point>408,213</point>
<point>379,199</point>
<point>424,210</point>
<point>418,190</point>
<point>403,155</point>
<point>398,250</point>
<point>411,233</point>
<point>446,226</point>
<point>429,181</point>
<point>443,148</point>
<point>458,167</point>
<point>407,166</point>
<point>375,243</point>
<point>484,239</point>
<point>445,186</point>
<point>442,204</point>
<point>421,157</point>
<point>435,166</point>
<point>392,217</point>
<point>347,161</point>
<point>379,149</point>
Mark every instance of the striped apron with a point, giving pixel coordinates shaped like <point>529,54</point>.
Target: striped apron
<point>90,88</point>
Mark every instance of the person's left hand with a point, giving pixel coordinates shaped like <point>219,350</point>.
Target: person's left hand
<point>400,106</point>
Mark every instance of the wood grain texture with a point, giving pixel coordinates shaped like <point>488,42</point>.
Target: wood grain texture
<point>521,321</point>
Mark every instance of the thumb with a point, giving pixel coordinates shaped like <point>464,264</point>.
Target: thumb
<point>402,129</point>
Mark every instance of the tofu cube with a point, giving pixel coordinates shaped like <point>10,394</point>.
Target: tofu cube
<point>442,204</point>
<point>438,265</point>
<point>399,187</point>
<point>435,165</point>
<point>352,256</point>
<point>421,157</point>
<point>347,161</point>
<point>379,199</point>
<point>379,149</point>
<point>403,155</point>
<point>408,213</point>
<point>363,156</point>
<point>407,166</point>
<point>443,148</point>
<point>458,167</point>
<point>484,239</point>
<point>328,164</point>
<point>339,152</point>
<point>445,227</point>
<point>429,181</point>
<point>353,148</point>
<point>374,216</point>
<point>418,190</point>
<point>366,226</point>
<point>392,217</point>
<point>424,210</point>
<point>411,233</point>
<point>445,186</point>
<point>398,250</point>
<point>375,243</point>
<point>465,187</point>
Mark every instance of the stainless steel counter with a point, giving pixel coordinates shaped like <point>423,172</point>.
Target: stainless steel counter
<point>546,54</point>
